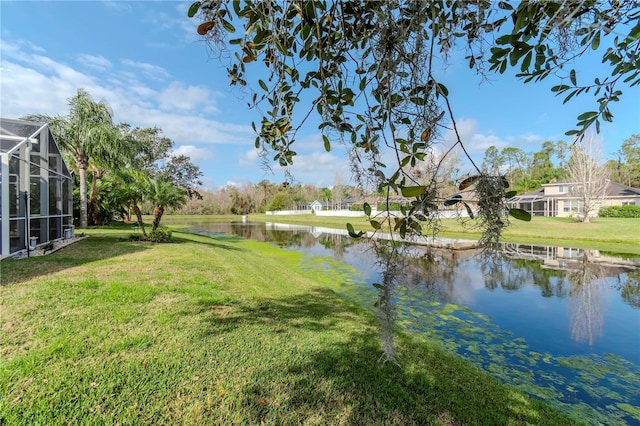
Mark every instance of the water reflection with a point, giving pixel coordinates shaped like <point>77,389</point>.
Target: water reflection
<point>584,278</point>
<point>629,288</point>
<point>588,300</point>
<point>561,324</point>
<point>389,262</point>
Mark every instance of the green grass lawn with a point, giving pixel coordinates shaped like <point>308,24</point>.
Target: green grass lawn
<point>217,331</point>
<point>613,235</point>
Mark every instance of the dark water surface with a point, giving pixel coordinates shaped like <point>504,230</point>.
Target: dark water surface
<point>561,324</point>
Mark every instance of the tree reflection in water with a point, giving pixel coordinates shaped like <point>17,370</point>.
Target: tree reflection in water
<point>435,271</point>
<point>390,262</point>
<point>588,299</point>
<point>629,288</point>
<point>409,266</point>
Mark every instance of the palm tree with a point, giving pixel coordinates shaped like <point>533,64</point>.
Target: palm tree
<point>87,133</point>
<point>133,185</point>
<point>165,194</point>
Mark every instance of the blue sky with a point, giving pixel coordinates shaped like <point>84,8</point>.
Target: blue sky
<point>147,61</point>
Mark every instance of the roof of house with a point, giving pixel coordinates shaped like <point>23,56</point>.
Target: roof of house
<point>615,189</point>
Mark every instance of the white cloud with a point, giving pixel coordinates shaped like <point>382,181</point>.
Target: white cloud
<point>477,143</point>
<point>32,83</point>
<point>117,5</point>
<point>319,168</point>
<point>26,91</point>
<point>187,98</point>
<point>98,63</point>
<point>196,154</point>
<point>151,71</point>
<point>237,183</point>
<point>250,158</point>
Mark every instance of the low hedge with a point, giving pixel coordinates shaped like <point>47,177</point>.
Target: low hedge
<point>620,211</point>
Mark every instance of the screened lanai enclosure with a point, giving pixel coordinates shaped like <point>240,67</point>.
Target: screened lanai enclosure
<point>36,201</point>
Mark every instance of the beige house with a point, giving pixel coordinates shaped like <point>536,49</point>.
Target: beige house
<point>555,199</point>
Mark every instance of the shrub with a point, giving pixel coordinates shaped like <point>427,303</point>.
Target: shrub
<point>620,211</point>
<point>160,235</point>
<point>135,237</point>
<point>356,207</point>
<point>392,206</point>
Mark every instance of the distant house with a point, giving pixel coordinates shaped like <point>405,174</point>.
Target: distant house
<point>329,205</point>
<point>36,197</point>
<point>555,199</point>
<point>316,206</point>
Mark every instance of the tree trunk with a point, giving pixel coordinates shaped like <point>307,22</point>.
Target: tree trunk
<point>82,163</point>
<point>92,205</point>
<point>93,217</point>
<point>138,213</point>
<point>158,211</point>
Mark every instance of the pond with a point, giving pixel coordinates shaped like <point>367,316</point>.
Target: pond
<point>561,324</point>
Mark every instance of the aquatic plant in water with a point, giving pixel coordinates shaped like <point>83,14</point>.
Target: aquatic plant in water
<point>593,388</point>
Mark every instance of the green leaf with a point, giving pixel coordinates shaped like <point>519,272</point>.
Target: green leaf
<point>228,26</point>
<point>327,144</point>
<point>468,182</point>
<point>454,199</point>
<point>403,229</point>
<point>367,209</point>
<point>442,89</point>
<point>510,194</point>
<point>635,32</point>
<point>469,211</point>
<point>595,43</point>
<point>263,85</point>
<point>378,286</point>
<point>363,83</point>
<point>572,77</point>
<point>352,232</point>
<point>193,9</point>
<point>375,224</point>
<point>413,191</point>
<point>587,115</point>
<point>520,214</point>
<point>526,62</point>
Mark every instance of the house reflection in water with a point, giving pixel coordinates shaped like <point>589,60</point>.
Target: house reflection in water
<point>568,259</point>
<point>586,271</point>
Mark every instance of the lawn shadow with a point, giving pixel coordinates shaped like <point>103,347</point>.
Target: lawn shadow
<point>87,250</point>
<point>219,241</point>
<point>346,382</point>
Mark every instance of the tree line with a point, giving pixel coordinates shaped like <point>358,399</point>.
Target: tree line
<point>267,196</point>
<point>120,169</point>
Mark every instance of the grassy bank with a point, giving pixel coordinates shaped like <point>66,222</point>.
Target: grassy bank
<point>216,331</point>
<point>605,234</point>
